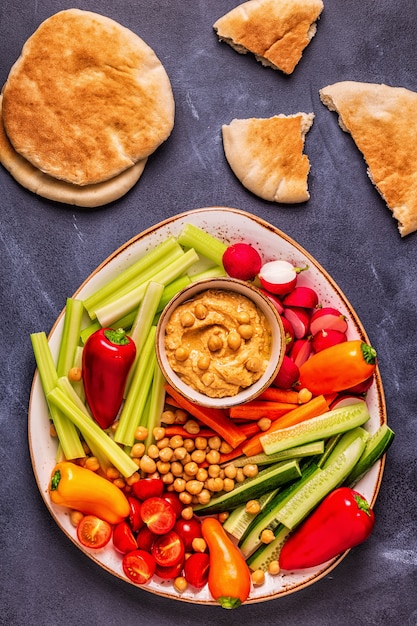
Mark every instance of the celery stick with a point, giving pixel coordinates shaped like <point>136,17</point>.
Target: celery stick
<point>148,260</point>
<point>143,322</point>
<point>86,332</point>
<point>111,312</point>
<point>66,431</point>
<point>208,246</point>
<point>171,290</point>
<point>78,385</point>
<point>93,432</point>
<point>74,310</point>
<point>157,402</point>
<point>139,388</point>
<point>212,272</point>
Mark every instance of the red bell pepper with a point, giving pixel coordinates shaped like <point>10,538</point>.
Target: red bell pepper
<point>342,520</point>
<point>108,356</point>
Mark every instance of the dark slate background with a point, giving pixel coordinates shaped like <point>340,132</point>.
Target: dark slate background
<point>48,249</point>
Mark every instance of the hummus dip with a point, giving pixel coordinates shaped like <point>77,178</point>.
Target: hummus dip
<point>218,343</point>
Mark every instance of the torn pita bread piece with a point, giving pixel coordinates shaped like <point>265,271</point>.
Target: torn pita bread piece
<point>275,31</point>
<point>51,188</point>
<point>382,122</point>
<point>87,99</point>
<point>266,155</point>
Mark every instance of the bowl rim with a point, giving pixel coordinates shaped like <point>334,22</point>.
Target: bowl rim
<point>262,301</point>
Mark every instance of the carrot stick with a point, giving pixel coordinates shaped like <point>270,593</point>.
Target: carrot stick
<point>170,400</point>
<point>176,429</point>
<point>255,409</point>
<point>280,395</point>
<point>249,428</point>
<point>316,406</point>
<point>216,419</point>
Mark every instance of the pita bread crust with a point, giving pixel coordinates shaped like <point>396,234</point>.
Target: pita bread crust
<point>266,155</point>
<point>275,31</point>
<point>86,99</point>
<point>53,189</point>
<point>382,122</point>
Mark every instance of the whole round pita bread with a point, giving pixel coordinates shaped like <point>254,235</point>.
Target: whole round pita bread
<point>51,188</point>
<point>87,99</point>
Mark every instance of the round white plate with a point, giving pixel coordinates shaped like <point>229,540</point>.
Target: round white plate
<point>230,225</point>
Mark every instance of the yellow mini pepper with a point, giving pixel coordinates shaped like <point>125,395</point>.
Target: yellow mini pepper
<point>81,489</point>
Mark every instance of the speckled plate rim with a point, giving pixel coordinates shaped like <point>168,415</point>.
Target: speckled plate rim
<point>231,225</point>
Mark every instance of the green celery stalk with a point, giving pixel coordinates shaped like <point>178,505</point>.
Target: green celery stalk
<point>109,313</point>
<point>172,289</point>
<point>213,272</point>
<point>157,401</point>
<point>143,322</point>
<point>150,259</point>
<point>89,330</point>
<point>139,388</point>
<point>67,433</point>
<point>205,244</point>
<point>78,385</point>
<point>93,432</point>
<point>74,310</point>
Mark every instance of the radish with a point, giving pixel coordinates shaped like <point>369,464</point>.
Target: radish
<point>241,260</point>
<point>326,338</point>
<point>299,319</point>
<point>326,318</point>
<point>301,351</point>
<point>344,400</point>
<point>275,301</point>
<point>302,296</point>
<point>289,334</point>
<point>363,387</point>
<point>279,276</point>
<point>288,374</point>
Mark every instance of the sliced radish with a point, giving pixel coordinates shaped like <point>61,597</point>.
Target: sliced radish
<point>301,351</point>
<point>289,334</point>
<point>327,318</point>
<point>275,301</point>
<point>344,400</point>
<point>299,319</point>
<point>326,338</point>
<point>242,260</point>
<point>363,387</point>
<point>288,374</point>
<point>302,296</point>
<point>279,276</point>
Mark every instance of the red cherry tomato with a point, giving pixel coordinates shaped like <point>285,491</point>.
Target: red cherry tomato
<point>196,569</point>
<point>158,515</point>
<point>135,520</point>
<point>167,573</point>
<point>188,529</point>
<point>123,538</point>
<point>139,566</point>
<point>173,498</point>
<point>148,488</point>
<point>93,532</point>
<point>168,549</point>
<point>145,539</point>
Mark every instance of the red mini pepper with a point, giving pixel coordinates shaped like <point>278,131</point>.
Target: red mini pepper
<point>108,356</point>
<point>342,520</point>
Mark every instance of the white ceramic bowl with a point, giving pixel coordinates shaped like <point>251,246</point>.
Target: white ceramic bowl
<point>278,346</point>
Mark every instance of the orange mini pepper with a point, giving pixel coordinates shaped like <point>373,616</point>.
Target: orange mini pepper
<point>81,489</point>
<point>229,578</point>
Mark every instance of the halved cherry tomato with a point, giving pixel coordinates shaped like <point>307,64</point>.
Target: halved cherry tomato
<point>145,539</point>
<point>139,566</point>
<point>148,488</point>
<point>158,515</point>
<point>196,569</point>
<point>167,573</point>
<point>93,532</point>
<point>173,498</point>
<point>168,549</point>
<point>135,520</point>
<point>123,538</point>
<point>188,529</point>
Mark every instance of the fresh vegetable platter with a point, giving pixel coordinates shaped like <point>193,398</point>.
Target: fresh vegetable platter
<point>230,226</point>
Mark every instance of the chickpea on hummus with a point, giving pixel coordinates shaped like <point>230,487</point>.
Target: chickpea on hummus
<point>218,343</point>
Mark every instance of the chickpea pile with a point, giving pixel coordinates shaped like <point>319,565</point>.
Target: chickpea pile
<point>188,465</point>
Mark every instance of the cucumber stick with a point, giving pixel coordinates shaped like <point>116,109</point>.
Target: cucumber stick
<point>313,491</point>
<point>261,558</point>
<point>375,448</point>
<point>298,452</point>
<point>322,427</point>
<point>239,519</point>
<point>266,480</point>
